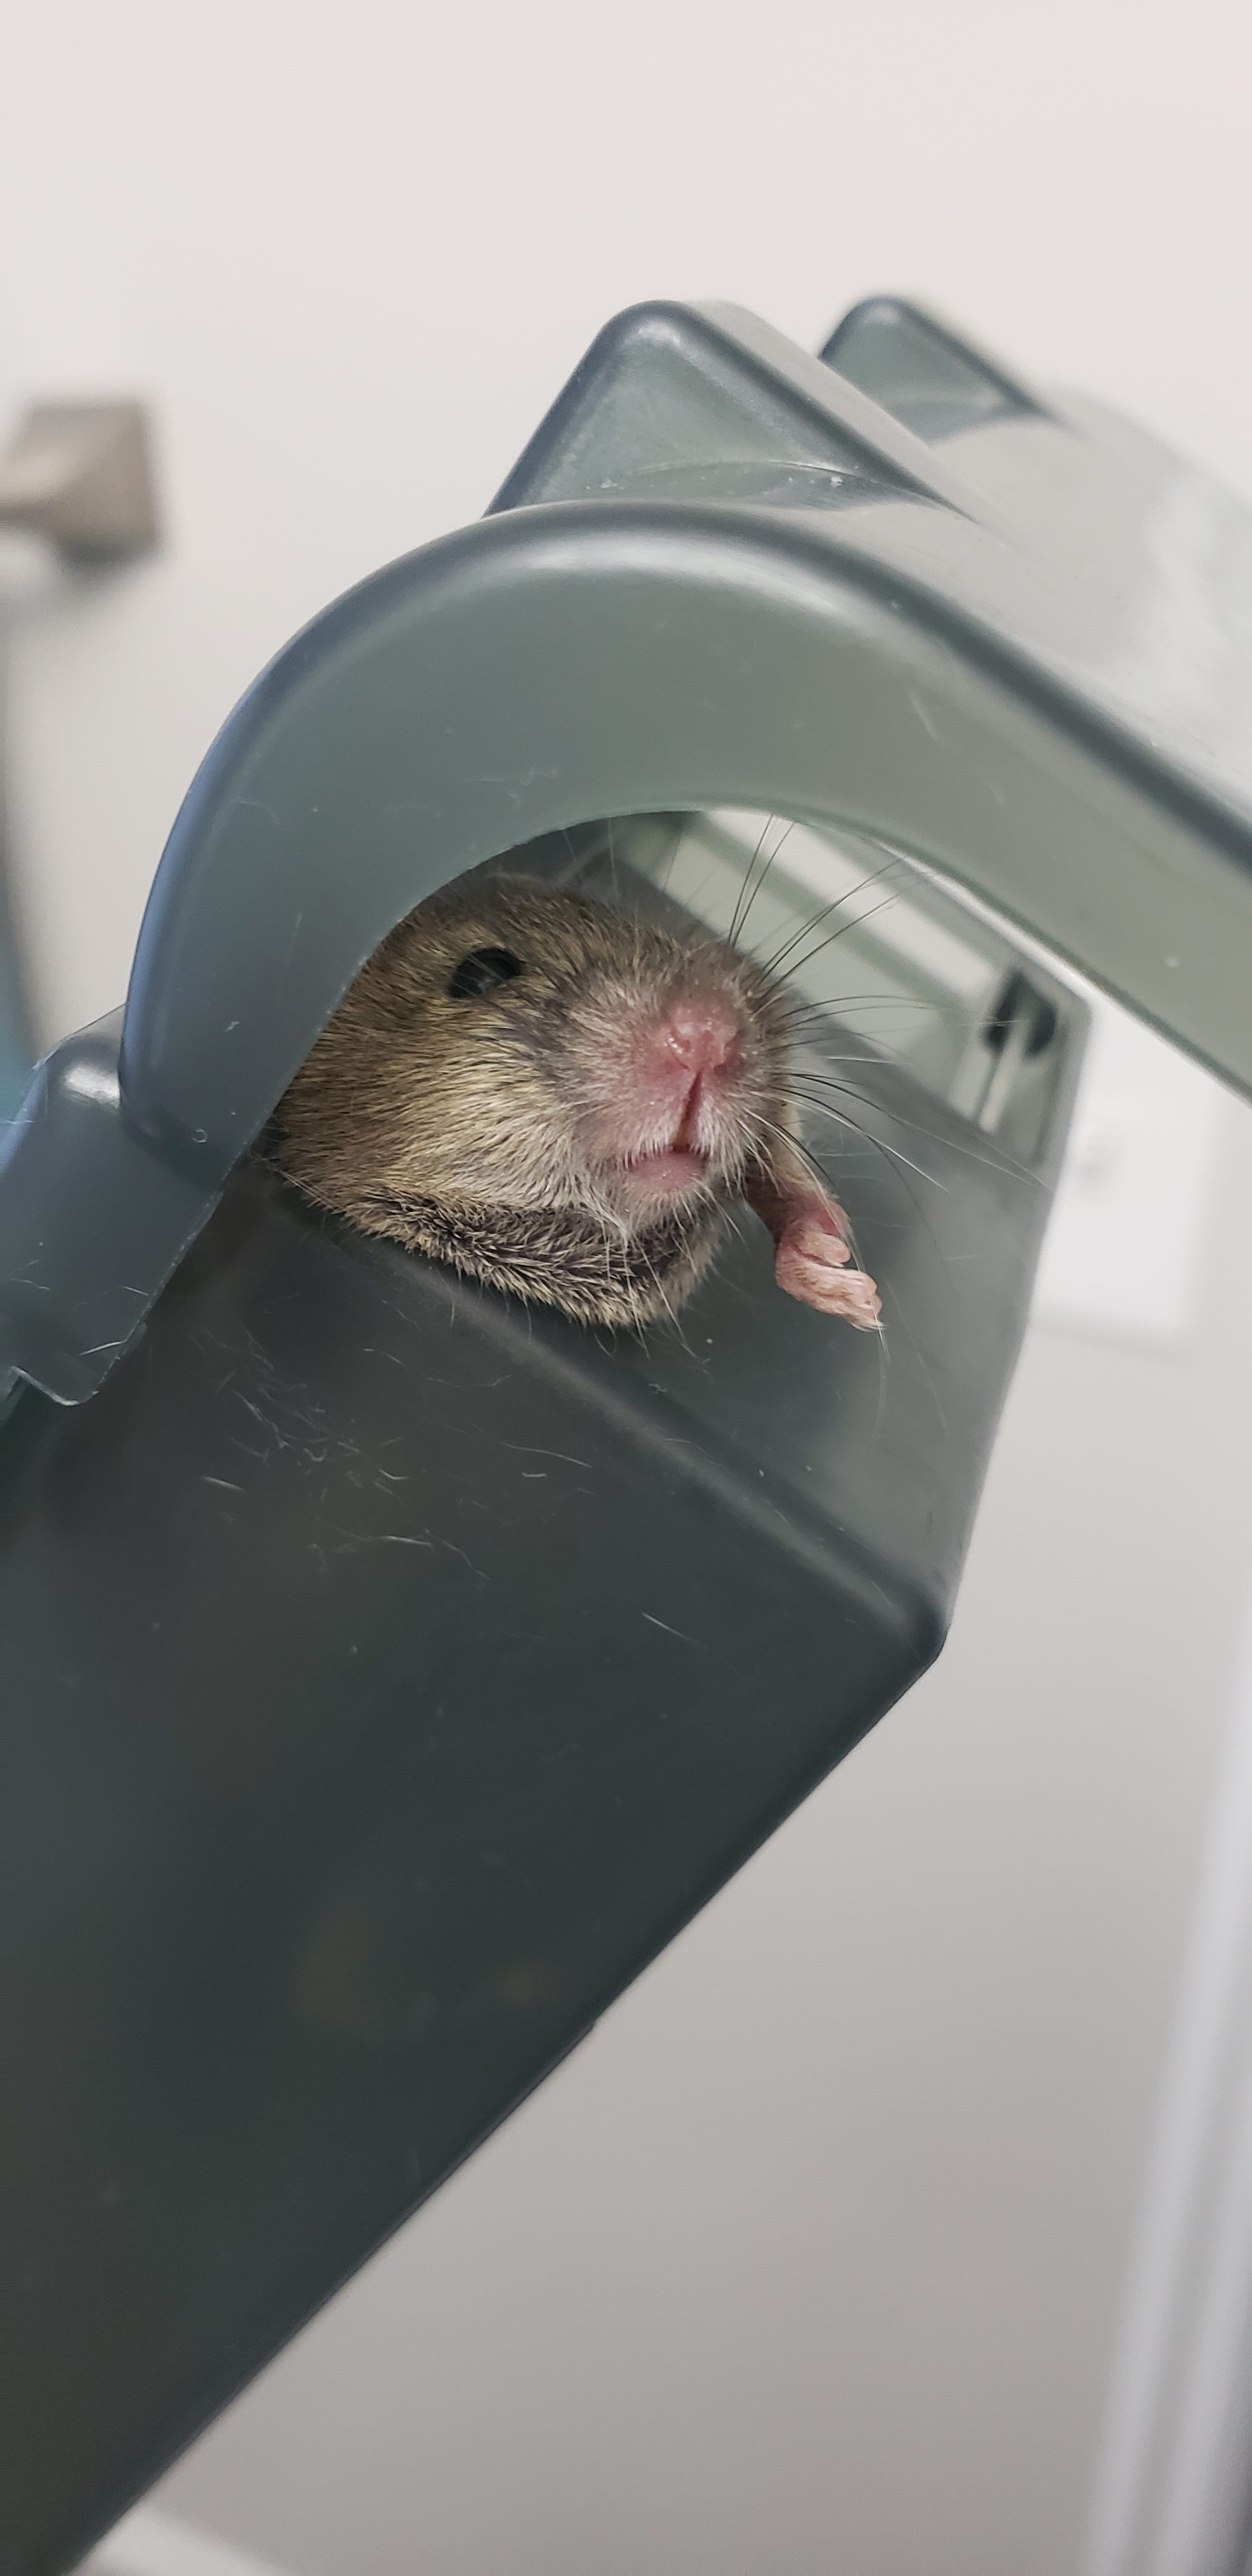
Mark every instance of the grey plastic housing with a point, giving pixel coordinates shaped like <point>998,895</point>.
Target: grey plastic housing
<point>723,572</point>
<point>388,1672</point>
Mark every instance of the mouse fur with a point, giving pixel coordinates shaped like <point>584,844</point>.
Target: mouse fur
<point>559,1100</point>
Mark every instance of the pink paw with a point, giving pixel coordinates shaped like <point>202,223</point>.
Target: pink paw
<point>817,1233</point>
<point>812,1266</point>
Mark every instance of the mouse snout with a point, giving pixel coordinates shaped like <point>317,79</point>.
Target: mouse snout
<point>680,1069</point>
<point>703,1037</point>
<point>670,1093</point>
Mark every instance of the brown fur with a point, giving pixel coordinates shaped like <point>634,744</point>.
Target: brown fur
<point>460,1127</point>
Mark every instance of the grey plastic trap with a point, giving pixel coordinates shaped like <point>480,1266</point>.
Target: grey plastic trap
<point>388,1673</point>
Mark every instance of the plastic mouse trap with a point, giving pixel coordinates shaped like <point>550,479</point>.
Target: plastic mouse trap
<point>389,1670</point>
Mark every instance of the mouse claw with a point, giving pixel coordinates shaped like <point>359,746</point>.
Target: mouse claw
<point>820,1279</point>
<point>817,1234</point>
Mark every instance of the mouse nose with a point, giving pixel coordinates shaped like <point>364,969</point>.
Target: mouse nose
<point>704,1037</point>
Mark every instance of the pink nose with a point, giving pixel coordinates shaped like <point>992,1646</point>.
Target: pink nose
<point>704,1036</point>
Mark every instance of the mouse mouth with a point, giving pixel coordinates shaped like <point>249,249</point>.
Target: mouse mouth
<point>684,1150</point>
<point>660,1178</point>
<point>671,1170</point>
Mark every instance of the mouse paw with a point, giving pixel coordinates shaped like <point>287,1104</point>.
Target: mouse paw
<point>817,1231</point>
<point>812,1252</point>
<point>815,1271</point>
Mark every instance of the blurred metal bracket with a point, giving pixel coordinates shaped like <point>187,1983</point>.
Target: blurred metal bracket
<point>80,474</point>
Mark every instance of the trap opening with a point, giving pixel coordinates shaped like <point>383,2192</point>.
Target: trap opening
<point>895,970</point>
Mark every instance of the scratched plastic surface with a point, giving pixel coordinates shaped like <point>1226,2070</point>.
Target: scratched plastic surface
<point>387,1674</point>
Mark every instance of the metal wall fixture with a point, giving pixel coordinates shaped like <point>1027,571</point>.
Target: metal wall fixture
<point>80,474</point>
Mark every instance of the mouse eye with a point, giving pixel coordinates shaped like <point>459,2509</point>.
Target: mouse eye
<point>481,971</point>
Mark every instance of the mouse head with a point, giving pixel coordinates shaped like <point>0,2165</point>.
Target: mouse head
<point>511,1044</point>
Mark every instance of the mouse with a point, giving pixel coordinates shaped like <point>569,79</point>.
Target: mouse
<point>567,1102</point>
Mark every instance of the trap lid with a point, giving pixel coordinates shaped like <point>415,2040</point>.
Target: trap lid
<point>721,573</point>
<point>389,1673</point>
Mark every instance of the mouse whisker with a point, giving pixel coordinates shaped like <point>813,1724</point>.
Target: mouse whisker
<point>824,1110</point>
<point>742,907</point>
<point>994,1161</point>
<point>770,965</point>
<point>858,922</point>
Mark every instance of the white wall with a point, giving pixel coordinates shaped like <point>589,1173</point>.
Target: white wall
<point>351,251</point>
<point>813,2258</point>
